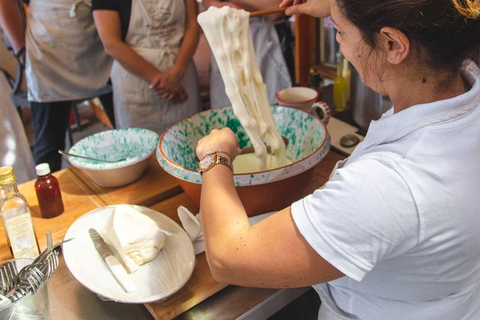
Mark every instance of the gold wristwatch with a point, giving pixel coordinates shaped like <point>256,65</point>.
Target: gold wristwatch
<point>212,159</point>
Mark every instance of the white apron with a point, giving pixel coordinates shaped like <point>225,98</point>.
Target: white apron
<point>155,32</point>
<point>270,62</point>
<point>65,57</point>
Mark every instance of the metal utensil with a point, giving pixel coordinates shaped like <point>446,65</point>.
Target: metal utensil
<point>32,276</point>
<point>113,264</point>
<point>89,158</point>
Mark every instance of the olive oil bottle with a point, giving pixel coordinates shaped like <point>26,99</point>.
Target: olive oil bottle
<point>339,88</point>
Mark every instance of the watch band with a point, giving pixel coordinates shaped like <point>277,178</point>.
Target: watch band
<point>212,159</point>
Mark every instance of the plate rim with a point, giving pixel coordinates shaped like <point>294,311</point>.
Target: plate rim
<point>136,300</point>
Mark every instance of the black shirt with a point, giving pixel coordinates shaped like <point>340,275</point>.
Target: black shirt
<point>123,7</point>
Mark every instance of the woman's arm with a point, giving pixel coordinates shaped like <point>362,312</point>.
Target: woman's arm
<point>190,39</point>
<point>109,30</point>
<point>271,253</point>
<point>11,22</point>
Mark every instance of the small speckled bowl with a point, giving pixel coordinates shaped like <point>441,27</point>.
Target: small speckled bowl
<point>133,144</point>
<point>260,192</point>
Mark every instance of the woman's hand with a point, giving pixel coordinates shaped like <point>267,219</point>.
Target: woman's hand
<point>168,80</point>
<point>315,8</point>
<point>223,139</point>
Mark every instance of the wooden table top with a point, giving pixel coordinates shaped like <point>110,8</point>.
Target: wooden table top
<point>154,186</point>
<point>77,200</point>
<point>155,189</point>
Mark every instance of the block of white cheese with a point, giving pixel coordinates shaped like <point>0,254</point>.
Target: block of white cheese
<point>136,237</point>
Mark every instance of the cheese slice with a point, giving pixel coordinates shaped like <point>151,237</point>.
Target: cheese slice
<point>136,237</point>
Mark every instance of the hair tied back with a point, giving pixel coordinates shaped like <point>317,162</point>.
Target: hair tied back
<point>468,8</point>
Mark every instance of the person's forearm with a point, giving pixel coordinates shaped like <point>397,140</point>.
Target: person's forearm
<point>224,219</point>
<point>11,22</point>
<point>190,38</point>
<point>131,61</point>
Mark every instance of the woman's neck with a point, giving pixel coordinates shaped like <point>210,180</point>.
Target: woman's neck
<point>407,91</point>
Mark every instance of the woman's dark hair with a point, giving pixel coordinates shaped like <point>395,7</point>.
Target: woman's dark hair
<point>444,32</point>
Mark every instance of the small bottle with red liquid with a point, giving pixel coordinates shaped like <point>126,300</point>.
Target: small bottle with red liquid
<point>48,192</point>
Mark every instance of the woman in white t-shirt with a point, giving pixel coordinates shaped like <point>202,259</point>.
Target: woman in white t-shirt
<point>394,233</point>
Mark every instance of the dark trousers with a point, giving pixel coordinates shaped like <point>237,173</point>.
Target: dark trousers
<point>49,122</point>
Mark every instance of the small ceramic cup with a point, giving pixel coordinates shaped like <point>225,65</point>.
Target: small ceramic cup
<point>303,98</point>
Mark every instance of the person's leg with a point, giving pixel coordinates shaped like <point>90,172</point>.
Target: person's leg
<point>49,123</point>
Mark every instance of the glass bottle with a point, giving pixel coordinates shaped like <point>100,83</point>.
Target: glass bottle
<point>339,88</point>
<point>48,192</point>
<point>347,75</point>
<point>16,217</point>
<point>316,82</point>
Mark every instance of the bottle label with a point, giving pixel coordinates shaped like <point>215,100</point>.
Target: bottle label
<point>20,232</point>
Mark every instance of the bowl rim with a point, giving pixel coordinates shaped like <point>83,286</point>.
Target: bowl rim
<point>325,141</point>
<point>121,164</point>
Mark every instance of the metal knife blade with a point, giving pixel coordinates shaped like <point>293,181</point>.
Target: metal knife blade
<point>113,263</point>
<point>102,248</point>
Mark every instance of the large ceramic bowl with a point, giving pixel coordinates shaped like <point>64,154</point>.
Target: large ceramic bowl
<point>260,192</point>
<point>134,145</point>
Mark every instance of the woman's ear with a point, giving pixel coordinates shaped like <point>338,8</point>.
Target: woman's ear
<point>395,43</point>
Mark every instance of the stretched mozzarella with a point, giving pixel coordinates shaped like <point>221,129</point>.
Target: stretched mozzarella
<point>135,236</point>
<point>228,33</point>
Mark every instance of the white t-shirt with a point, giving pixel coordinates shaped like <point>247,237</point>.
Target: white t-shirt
<point>401,217</point>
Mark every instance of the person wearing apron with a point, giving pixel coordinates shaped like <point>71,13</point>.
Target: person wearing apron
<point>268,51</point>
<point>65,62</point>
<point>154,79</point>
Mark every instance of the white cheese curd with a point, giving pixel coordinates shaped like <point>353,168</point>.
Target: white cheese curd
<point>136,237</point>
<point>228,33</point>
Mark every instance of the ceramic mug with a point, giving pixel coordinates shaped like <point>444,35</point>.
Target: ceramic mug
<point>303,98</point>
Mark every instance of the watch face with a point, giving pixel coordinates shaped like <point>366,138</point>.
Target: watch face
<point>206,162</point>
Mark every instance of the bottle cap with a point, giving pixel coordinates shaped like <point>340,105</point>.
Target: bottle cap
<point>42,169</point>
<point>7,176</point>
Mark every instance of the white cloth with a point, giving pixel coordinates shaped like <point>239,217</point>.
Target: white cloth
<point>270,61</point>
<point>155,32</point>
<point>65,57</point>
<point>14,147</point>
<point>193,226</point>
<point>400,219</point>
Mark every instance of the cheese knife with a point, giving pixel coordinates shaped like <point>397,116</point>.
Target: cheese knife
<point>113,264</point>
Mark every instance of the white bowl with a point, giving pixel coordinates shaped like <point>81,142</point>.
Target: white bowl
<point>133,144</point>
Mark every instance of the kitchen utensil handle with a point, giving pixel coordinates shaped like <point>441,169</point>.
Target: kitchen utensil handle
<point>120,274</point>
<point>267,11</point>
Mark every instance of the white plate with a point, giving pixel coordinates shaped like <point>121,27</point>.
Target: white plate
<point>155,280</point>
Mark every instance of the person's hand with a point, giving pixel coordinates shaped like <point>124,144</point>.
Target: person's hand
<point>181,96</point>
<point>166,81</point>
<point>223,139</point>
<point>315,8</point>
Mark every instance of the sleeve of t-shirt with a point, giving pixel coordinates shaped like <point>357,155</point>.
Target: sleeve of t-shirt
<point>365,213</point>
<point>105,5</point>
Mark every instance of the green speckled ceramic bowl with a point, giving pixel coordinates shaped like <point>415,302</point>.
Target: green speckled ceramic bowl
<point>260,192</point>
<point>134,144</point>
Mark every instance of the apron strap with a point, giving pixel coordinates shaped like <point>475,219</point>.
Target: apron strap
<point>73,9</point>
